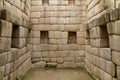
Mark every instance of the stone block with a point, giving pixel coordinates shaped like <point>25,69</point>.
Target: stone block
<point>44,47</point>
<point>11,17</point>
<point>63,47</point>
<point>107,76</point>
<point>36,54</point>
<point>79,59</point>
<point>118,72</point>
<point>114,42</point>
<point>105,53</point>
<point>52,34</point>
<point>114,14</point>
<point>6,28</point>
<point>58,34</point>
<point>67,65</point>
<point>110,68</point>
<point>61,41</point>
<point>45,54</point>
<point>102,64</point>
<point>69,59</point>
<point>73,47</point>
<point>53,47</point>
<point>116,57</point>
<point>36,34</point>
<point>81,41</point>
<point>60,60</point>
<point>36,41</point>
<point>77,53</point>
<point>5,44</point>
<point>52,41</point>
<point>2,59</point>
<point>51,64</point>
<point>111,27</point>
<point>7,69</point>
<point>39,65</point>
<point>116,27</point>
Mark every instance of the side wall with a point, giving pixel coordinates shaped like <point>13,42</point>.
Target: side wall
<point>58,18</point>
<point>14,18</point>
<point>102,54</point>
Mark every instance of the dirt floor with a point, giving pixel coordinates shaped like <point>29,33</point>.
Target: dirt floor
<point>60,74</point>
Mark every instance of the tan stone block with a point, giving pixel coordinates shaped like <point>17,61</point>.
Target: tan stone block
<point>114,15</point>
<point>2,59</point>
<point>7,69</point>
<point>63,47</point>
<point>53,60</point>
<point>79,59</point>
<point>51,64</point>
<point>67,65</point>
<point>39,65</point>
<point>36,34</point>
<point>53,47</point>
<point>73,47</point>
<point>111,27</point>
<point>116,57</point>
<point>80,65</point>
<point>65,35</point>
<point>36,41</point>
<point>110,68</point>
<point>36,54</point>
<point>35,14</point>
<point>81,34</point>
<point>58,34</point>
<point>51,34</point>
<point>114,42</point>
<point>44,47</point>
<point>105,53</point>
<point>60,60</point>
<point>5,44</point>
<point>52,41</point>
<point>61,41</point>
<point>102,64</point>
<point>45,54</point>
<point>6,28</point>
<point>77,53</point>
<point>118,72</point>
<point>36,3</point>
<point>81,41</point>
<point>107,76</point>
<point>62,54</point>
<point>35,48</point>
<point>69,59</point>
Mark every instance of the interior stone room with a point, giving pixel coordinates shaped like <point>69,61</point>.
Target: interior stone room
<point>60,39</point>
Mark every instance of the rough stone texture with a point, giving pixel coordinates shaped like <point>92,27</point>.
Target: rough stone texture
<point>14,62</point>
<point>64,34</point>
<point>103,62</point>
<point>58,18</point>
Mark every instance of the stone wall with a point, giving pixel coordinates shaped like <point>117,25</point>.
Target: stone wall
<point>97,7</point>
<point>61,18</point>
<point>102,57</point>
<point>15,52</point>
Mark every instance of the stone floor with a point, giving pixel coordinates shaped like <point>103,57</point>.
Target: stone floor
<point>61,74</point>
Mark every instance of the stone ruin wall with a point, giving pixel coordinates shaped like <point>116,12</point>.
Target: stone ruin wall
<point>58,17</point>
<point>102,56</point>
<point>15,52</point>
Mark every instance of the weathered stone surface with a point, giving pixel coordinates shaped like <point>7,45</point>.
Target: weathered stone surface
<point>116,57</point>
<point>118,72</point>
<point>39,65</point>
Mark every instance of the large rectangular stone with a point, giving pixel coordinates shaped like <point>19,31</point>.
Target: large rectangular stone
<point>114,42</point>
<point>116,57</point>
